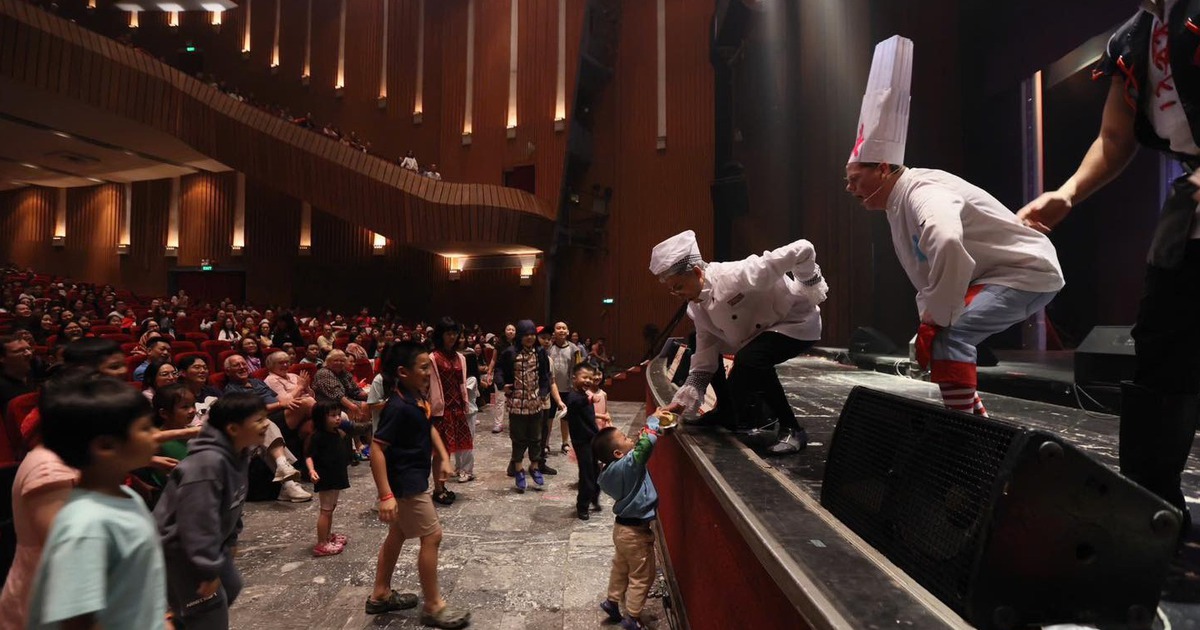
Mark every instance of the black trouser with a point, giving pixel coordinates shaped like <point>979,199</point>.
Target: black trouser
<point>589,487</point>
<point>753,377</point>
<point>547,426</point>
<point>1159,409</point>
<point>525,431</point>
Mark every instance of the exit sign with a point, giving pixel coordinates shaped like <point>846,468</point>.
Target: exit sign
<point>608,301</point>
<point>206,267</point>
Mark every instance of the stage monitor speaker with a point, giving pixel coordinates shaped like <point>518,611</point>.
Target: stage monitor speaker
<point>867,340</point>
<point>1105,356</point>
<point>1008,526</point>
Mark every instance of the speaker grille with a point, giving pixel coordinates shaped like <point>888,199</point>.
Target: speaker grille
<point>915,480</point>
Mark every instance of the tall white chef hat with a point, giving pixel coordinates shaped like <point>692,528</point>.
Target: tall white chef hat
<point>675,255</point>
<point>883,121</point>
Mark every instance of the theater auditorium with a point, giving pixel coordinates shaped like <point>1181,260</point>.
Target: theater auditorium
<point>566,314</point>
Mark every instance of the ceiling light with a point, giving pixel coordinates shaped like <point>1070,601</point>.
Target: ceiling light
<point>212,7</point>
<point>93,179</point>
<point>171,6</point>
<point>62,134</point>
<point>32,166</point>
<point>126,6</point>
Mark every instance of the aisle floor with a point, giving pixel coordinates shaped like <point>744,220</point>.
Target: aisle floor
<point>517,561</point>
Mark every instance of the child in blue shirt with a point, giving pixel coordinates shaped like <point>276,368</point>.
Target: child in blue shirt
<point>104,428</point>
<point>626,480</point>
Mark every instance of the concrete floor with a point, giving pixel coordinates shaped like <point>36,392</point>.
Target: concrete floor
<point>516,561</point>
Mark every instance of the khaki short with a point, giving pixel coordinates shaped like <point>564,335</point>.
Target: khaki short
<point>415,516</point>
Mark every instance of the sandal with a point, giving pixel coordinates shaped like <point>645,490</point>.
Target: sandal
<point>447,617</point>
<point>443,497</point>
<point>394,601</point>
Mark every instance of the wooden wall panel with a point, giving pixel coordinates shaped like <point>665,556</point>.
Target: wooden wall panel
<point>93,221</point>
<point>364,189</point>
<point>144,268</point>
<point>206,208</point>
<point>27,224</point>
<point>655,193</point>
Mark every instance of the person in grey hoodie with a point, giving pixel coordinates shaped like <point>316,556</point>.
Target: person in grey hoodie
<point>200,513</point>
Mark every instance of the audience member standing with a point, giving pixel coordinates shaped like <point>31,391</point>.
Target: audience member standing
<point>448,400</point>
<point>523,371</point>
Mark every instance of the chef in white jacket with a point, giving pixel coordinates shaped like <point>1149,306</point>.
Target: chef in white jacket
<point>763,310</point>
<point>976,268</point>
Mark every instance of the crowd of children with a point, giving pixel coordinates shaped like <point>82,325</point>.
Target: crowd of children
<point>174,540</point>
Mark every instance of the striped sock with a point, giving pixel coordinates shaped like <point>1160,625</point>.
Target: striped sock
<point>979,409</point>
<point>960,397</point>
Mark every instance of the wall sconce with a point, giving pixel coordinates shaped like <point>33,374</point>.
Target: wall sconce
<point>381,102</point>
<point>171,251</point>
<point>133,19</point>
<point>173,19</point>
<point>418,117</point>
<point>58,241</point>
<point>378,244</point>
<point>122,248</point>
<point>510,132</point>
<point>466,138</point>
<point>456,267</point>
<point>526,276</point>
<point>305,79</point>
<point>560,124</point>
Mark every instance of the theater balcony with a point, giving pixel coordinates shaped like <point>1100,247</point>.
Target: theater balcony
<point>50,68</point>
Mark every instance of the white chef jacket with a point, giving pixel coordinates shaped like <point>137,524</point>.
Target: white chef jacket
<point>950,235</point>
<point>745,298</point>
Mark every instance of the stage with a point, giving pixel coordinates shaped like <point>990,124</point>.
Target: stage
<point>830,576</point>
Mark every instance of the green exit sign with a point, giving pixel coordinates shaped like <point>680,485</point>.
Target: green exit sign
<point>190,49</point>
<point>206,267</point>
<point>608,301</point>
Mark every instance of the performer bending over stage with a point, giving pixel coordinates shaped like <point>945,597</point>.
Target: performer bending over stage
<point>1159,409</point>
<point>976,269</point>
<point>751,308</point>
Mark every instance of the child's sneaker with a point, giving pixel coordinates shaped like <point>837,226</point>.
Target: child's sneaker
<point>632,623</point>
<point>612,609</point>
<point>537,477</point>
<point>327,548</point>
<point>520,476</point>
<point>338,539</point>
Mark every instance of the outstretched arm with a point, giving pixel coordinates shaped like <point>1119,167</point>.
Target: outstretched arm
<point>1109,154</point>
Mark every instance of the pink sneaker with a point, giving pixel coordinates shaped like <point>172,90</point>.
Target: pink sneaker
<point>338,539</point>
<point>326,549</point>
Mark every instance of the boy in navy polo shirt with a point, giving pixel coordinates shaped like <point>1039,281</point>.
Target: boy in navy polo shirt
<point>407,448</point>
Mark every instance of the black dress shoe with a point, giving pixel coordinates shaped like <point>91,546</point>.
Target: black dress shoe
<point>710,420</point>
<point>596,507</point>
<point>546,470</point>
<point>583,515</point>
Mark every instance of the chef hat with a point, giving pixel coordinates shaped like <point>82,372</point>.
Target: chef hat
<point>883,121</point>
<point>675,255</point>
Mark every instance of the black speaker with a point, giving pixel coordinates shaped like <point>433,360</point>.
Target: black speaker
<point>1008,526</point>
<point>1105,356</point>
<point>867,340</point>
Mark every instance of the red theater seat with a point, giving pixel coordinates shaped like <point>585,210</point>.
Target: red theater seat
<point>309,368</point>
<point>183,346</point>
<point>197,338</point>
<point>183,355</point>
<point>18,408</point>
<point>218,380</point>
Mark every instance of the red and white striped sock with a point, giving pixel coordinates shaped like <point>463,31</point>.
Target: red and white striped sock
<point>961,397</point>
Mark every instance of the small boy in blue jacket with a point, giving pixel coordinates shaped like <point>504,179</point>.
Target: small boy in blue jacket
<point>627,481</point>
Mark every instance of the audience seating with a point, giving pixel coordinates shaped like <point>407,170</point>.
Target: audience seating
<point>128,348</point>
<point>309,368</point>
<point>218,380</point>
<point>18,408</point>
<point>214,349</point>
<point>225,354</point>
<point>118,337</point>
<point>197,338</point>
<point>183,346</point>
<point>363,369</point>
<point>180,356</point>
<point>132,361</point>
<point>105,329</point>
<point>260,373</point>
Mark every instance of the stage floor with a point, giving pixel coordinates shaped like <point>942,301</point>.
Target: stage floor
<point>817,388</point>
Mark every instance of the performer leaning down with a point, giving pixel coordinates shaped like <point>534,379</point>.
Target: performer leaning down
<point>763,309</point>
<point>976,268</point>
